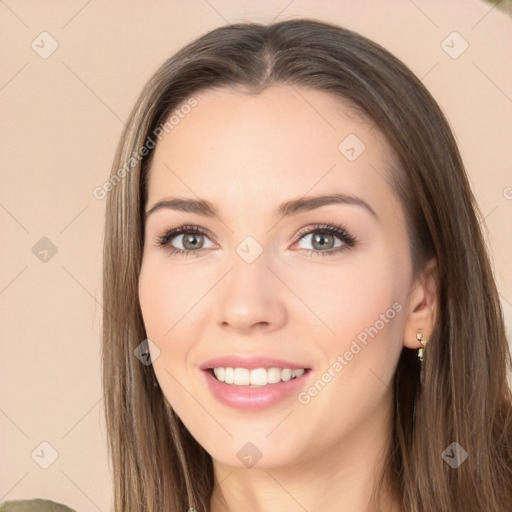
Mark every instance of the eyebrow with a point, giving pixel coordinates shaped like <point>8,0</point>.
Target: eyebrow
<point>286,209</point>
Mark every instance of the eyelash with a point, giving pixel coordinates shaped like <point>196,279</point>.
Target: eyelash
<point>329,228</point>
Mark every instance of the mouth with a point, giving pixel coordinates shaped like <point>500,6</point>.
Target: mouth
<point>255,389</point>
<point>256,377</point>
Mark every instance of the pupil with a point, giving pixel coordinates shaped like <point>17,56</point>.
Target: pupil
<point>190,240</point>
<point>320,239</point>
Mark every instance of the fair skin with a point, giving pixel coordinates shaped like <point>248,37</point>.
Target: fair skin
<point>247,154</point>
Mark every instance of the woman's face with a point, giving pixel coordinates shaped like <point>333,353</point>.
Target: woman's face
<point>265,282</point>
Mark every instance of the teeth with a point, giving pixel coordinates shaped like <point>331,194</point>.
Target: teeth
<point>220,373</point>
<point>242,377</point>
<point>273,375</point>
<point>229,376</point>
<point>257,377</point>
<point>286,374</point>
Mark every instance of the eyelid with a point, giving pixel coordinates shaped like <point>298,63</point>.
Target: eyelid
<point>164,239</point>
<point>331,228</point>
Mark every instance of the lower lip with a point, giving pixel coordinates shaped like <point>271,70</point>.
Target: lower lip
<point>254,399</point>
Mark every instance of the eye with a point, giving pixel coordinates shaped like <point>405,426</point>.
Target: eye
<point>323,239</point>
<point>191,238</point>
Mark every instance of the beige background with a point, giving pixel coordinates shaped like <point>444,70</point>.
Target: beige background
<point>61,118</point>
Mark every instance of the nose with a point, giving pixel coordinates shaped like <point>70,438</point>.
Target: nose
<point>250,297</point>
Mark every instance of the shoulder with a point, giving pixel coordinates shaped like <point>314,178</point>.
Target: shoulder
<point>33,505</point>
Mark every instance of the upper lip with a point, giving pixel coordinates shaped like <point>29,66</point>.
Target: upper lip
<point>250,363</point>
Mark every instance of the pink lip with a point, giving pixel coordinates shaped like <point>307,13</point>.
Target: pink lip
<point>250,363</point>
<point>253,399</point>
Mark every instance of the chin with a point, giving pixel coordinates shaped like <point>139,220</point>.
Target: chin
<point>255,452</point>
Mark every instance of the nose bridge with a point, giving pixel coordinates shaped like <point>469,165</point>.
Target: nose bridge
<point>249,294</point>
<point>248,280</point>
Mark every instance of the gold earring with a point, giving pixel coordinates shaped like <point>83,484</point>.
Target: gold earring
<point>419,337</point>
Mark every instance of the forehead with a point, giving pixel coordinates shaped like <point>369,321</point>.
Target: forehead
<point>239,148</point>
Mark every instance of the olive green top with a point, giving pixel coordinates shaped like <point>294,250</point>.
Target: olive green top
<point>34,505</point>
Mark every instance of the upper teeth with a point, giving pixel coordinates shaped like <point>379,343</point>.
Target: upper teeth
<point>257,377</point>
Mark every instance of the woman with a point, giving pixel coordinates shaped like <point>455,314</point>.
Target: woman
<point>242,371</point>
<point>354,159</point>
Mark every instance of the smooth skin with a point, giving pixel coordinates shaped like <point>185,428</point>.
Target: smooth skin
<point>247,154</point>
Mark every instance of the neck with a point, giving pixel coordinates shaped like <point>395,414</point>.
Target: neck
<point>340,479</point>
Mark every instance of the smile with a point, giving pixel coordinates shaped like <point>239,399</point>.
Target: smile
<point>256,377</point>
<point>272,387</point>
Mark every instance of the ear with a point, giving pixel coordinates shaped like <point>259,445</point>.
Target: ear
<point>422,306</point>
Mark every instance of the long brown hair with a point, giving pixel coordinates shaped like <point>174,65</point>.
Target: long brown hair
<point>461,393</point>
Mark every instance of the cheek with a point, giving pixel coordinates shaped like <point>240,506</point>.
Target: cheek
<point>357,313</point>
<point>164,303</point>
<point>167,294</point>
<point>347,297</point>
<point>172,300</point>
